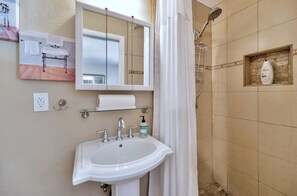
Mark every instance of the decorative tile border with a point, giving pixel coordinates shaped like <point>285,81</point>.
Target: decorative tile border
<point>135,72</point>
<point>234,63</point>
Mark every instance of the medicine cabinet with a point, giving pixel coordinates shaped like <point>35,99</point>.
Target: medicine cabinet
<point>113,51</point>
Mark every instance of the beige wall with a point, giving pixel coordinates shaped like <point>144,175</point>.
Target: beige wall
<point>37,149</point>
<point>204,133</point>
<point>254,128</point>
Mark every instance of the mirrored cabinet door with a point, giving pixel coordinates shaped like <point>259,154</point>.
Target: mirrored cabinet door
<point>93,49</point>
<point>115,51</point>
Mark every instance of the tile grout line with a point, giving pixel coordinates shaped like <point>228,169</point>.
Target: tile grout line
<point>275,157</point>
<point>227,55</point>
<point>273,188</point>
<point>258,105</point>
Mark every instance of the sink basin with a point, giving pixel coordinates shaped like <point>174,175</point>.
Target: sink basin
<point>123,152</point>
<point>117,162</point>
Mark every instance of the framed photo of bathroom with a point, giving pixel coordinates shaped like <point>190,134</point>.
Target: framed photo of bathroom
<point>46,57</point>
<point>9,20</point>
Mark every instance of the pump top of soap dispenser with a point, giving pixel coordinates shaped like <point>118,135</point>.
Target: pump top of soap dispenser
<point>143,120</point>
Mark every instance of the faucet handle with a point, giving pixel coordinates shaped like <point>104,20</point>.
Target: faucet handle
<point>105,135</point>
<point>130,135</point>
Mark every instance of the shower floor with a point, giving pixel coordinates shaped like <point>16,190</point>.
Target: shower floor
<point>213,189</point>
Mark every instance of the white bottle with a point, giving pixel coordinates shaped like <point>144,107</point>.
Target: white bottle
<point>143,128</point>
<point>266,73</point>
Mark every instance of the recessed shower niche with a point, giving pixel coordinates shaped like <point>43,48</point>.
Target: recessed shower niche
<point>281,60</point>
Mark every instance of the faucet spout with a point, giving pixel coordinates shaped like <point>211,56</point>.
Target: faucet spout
<point>121,126</point>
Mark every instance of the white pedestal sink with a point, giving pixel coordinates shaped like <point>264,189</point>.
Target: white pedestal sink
<point>118,163</point>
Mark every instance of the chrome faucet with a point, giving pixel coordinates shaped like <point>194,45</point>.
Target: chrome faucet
<point>121,125</point>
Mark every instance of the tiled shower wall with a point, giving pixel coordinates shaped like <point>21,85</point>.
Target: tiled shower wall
<point>204,131</point>
<point>254,128</point>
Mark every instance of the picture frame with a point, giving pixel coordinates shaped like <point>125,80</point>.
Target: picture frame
<point>46,57</point>
<point>9,20</point>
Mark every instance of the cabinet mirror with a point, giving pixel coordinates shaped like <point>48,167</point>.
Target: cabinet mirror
<point>113,51</point>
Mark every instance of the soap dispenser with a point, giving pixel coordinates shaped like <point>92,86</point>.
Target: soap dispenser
<point>266,73</point>
<point>143,128</point>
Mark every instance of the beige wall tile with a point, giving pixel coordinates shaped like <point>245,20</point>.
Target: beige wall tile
<point>235,80</point>
<point>220,127</point>
<point>267,191</point>
<point>222,80</point>
<point>240,184</point>
<point>278,106</point>
<point>209,57</point>
<point>219,55</point>
<point>278,141</point>
<point>274,107</point>
<point>205,173</point>
<point>204,126</point>
<point>219,33</point>
<point>204,149</point>
<point>274,12</point>
<point>202,12</point>
<point>243,105</point>
<point>243,160</point>
<point>220,161</point>
<point>243,23</point>
<point>277,173</point>
<point>235,6</point>
<point>293,105</point>
<point>220,103</point>
<point>214,80</point>
<point>274,140</point>
<point>220,172</point>
<point>243,132</point>
<point>238,48</point>
<point>223,6</point>
<point>220,150</point>
<point>204,104</point>
<point>280,35</point>
<point>207,81</point>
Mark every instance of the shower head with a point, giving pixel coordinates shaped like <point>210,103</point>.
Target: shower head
<point>215,12</point>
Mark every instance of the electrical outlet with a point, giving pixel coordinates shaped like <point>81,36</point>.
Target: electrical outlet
<point>40,102</point>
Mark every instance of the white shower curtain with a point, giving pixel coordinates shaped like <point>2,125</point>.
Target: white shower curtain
<point>174,100</point>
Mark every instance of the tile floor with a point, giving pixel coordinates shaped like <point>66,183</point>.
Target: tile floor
<point>213,189</point>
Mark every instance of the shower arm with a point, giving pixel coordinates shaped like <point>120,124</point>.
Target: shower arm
<point>203,28</point>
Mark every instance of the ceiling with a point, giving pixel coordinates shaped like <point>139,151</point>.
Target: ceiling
<point>210,3</point>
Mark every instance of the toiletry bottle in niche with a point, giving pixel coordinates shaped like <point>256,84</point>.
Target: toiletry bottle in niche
<point>143,128</point>
<point>266,73</point>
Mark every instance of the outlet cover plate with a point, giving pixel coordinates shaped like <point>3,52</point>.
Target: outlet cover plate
<point>40,102</point>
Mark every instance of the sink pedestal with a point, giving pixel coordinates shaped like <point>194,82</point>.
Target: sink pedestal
<point>130,188</point>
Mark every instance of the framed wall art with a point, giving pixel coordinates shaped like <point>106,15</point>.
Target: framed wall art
<point>9,20</point>
<point>46,57</point>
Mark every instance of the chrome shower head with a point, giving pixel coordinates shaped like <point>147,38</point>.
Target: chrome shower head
<point>215,12</point>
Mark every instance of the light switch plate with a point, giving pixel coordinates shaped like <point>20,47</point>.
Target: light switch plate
<point>40,102</point>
